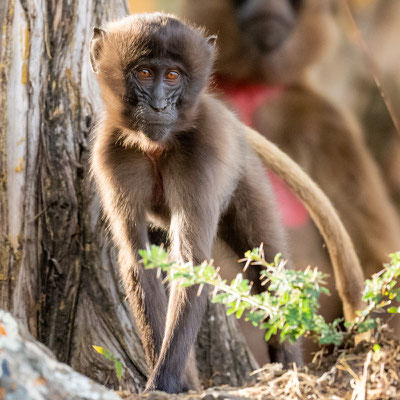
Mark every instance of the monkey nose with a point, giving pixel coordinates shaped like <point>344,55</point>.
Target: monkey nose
<point>158,106</point>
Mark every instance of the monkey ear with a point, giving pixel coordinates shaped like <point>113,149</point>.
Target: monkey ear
<point>98,32</point>
<point>212,40</point>
<point>96,44</point>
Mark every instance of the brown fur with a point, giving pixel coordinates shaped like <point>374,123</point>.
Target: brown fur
<point>312,131</point>
<point>238,58</point>
<point>379,23</point>
<point>305,125</point>
<point>212,185</point>
<point>348,273</point>
<point>335,156</point>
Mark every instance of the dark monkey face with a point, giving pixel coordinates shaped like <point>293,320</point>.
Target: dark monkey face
<point>149,76</point>
<point>267,23</point>
<point>269,41</point>
<point>153,96</point>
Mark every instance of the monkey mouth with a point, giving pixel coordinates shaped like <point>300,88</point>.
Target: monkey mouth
<point>159,121</point>
<point>158,118</point>
<point>268,31</point>
<point>157,132</point>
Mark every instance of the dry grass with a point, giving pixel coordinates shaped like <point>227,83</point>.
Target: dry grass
<point>356,374</point>
<point>360,373</point>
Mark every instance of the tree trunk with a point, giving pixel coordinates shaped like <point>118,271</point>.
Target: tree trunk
<point>58,273</point>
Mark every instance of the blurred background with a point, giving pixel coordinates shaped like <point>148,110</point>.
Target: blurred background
<point>153,5</point>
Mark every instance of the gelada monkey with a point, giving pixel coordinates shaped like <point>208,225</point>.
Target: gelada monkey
<point>169,154</point>
<point>266,49</point>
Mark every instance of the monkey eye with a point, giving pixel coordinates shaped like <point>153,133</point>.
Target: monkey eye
<point>144,74</point>
<point>172,76</point>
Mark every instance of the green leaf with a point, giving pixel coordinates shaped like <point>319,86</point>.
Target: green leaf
<point>109,357</point>
<point>231,311</point>
<point>239,313</point>
<point>118,369</point>
<point>291,305</point>
<point>104,352</point>
<point>271,331</point>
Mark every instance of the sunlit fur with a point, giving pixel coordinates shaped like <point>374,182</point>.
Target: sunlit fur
<point>199,181</point>
<point>126,44</point>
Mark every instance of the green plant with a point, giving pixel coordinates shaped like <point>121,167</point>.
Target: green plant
<point>290,306</point>
<point>108,356</point>
<point>379,293</point>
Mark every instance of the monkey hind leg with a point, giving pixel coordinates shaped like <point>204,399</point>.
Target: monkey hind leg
<point>185,311</point>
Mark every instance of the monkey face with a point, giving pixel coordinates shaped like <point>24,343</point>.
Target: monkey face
<point>269,41</point>
<point>149,75</point>
<point>267,24</point>
<point>153,96</point>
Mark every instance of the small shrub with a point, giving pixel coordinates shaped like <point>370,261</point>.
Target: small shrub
<point>379,293</point>
<point>291,304</point>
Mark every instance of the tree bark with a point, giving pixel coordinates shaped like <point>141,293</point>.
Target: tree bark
<point>58,273</point>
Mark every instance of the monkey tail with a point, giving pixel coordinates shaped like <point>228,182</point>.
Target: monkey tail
<point>348,273</point>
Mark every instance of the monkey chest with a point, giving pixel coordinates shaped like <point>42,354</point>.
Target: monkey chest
<point>158,203</point>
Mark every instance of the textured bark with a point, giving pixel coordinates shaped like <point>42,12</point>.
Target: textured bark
<point>223,357</point>
<point>58,273</point>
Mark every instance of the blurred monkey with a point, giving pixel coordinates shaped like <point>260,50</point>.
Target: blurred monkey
<point>266,51</point>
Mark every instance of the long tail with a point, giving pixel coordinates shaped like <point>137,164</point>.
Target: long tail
<point>346,265</point>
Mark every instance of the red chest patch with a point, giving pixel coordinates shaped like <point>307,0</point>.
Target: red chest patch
<point>246,99</point>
